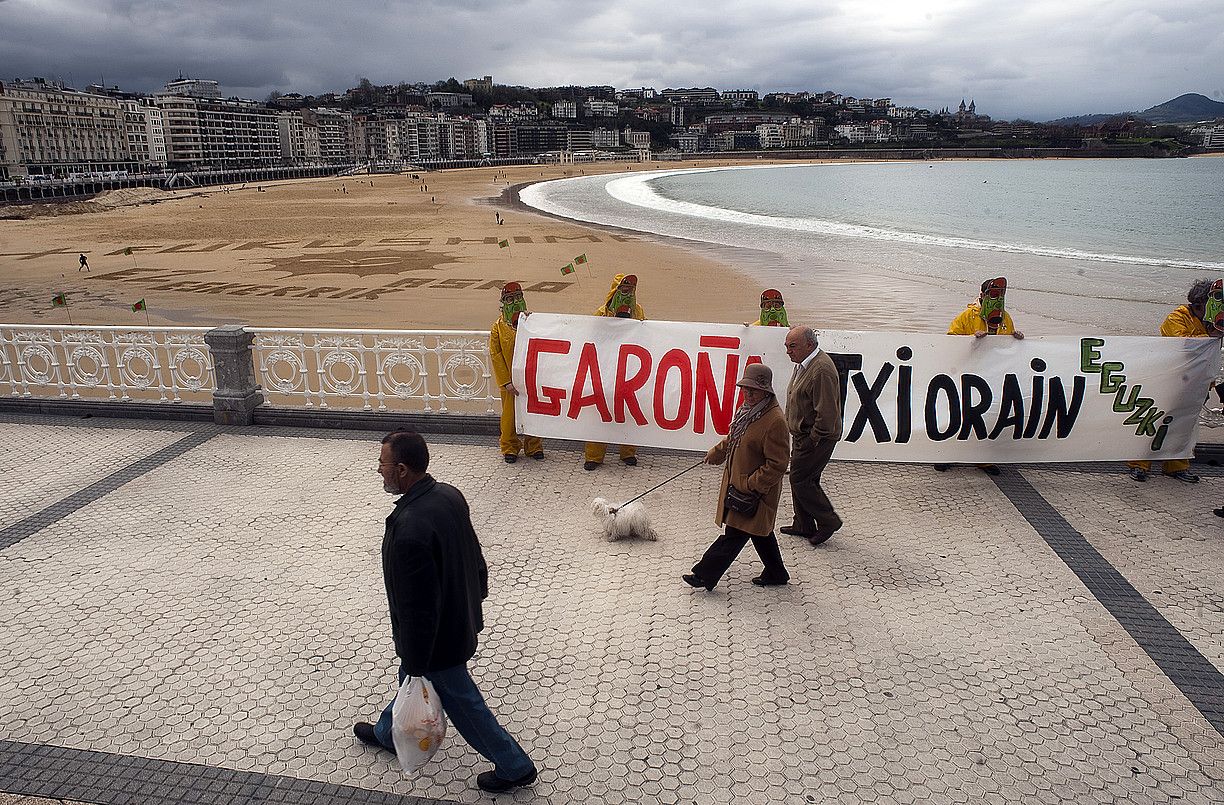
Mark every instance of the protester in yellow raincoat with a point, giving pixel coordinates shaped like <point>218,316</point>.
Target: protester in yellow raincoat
<point>501,355</point>
<point>621,303</point>
<point>985,317</point>
<point>1201,317</point>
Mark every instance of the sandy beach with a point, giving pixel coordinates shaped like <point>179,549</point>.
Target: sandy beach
<point>381,251</point>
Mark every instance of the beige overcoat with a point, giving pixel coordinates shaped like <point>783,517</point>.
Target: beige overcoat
<point>756,464</point>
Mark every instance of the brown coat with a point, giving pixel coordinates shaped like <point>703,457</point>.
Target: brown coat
<point>813,403</point>
<point>757,464</point>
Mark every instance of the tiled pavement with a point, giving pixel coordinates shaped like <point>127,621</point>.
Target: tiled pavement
<point>204,618</point>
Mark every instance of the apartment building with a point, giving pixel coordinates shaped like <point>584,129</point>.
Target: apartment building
<point>705,96</point>
<point>219,133</point>
<point>565,110</point>
<point>146,132</point>
<point>605,138</point>
<point>639,140</point>
<point>597,108</point>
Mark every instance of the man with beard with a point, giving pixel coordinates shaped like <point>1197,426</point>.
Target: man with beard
<point>501,355</point>
<point>621,303</point>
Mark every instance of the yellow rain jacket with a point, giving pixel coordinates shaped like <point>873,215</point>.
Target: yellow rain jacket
<point>1181,323</point>
<point>501,350</point>
<point>638,313</point>
<point>970,321</point>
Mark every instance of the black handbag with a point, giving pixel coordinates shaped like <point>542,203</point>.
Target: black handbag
<point>744,503</point>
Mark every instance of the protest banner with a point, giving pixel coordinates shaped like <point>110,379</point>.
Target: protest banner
<point>907,396</point>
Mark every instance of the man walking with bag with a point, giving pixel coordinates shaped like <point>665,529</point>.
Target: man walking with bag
<point>436,579</point>
<point>814,415</point>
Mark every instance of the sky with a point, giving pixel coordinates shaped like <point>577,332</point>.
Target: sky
<point>1034,60</point>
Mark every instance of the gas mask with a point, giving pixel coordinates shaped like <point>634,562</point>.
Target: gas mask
<point>623,300</point>
<point>773,310</point>
<point>1214,315</point>
<point>513,304</point>
<point>992,303</point>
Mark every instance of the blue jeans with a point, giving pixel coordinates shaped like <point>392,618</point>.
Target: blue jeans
<point>469,714</point>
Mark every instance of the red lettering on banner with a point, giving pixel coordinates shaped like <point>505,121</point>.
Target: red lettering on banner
<point>721,407</point>
<point>719,341</point>
<point>626,389</point>
<point>588,367</point>
<point>551,404</point>
<point>674,359</point>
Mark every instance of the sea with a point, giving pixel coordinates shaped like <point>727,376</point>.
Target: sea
<point>1092,245</point>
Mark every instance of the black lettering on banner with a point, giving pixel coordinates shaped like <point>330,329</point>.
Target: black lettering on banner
<point>846,363</point>
<point>946,385</point>
<point>1011,409</point>
<point>869,409</point>
<point>972,419</point>
<point>1060,416</point>
<point>905,382</point>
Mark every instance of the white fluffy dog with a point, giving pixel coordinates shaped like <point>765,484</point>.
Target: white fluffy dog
<point>627,521</point>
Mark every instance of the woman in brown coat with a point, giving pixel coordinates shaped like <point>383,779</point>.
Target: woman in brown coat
<point>756,452</point>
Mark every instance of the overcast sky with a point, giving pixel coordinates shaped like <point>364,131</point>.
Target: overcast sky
<point>1035,60</point>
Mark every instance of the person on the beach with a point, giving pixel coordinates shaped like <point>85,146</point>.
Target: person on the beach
<point>1201,317</point>
<point>622,304</point>
<point>773,310</point>
<point>814,416</point>
<point>755,453</point>
<point>84,266</point>
<point>436,581</point>
<point>984,317</point>
<point>501,355</point>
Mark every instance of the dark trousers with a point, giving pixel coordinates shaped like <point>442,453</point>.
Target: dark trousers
<point>719,556</point>
<point>813,510</point>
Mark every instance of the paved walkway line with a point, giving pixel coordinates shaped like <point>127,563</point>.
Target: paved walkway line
<point>57,511</point>
<point>80,775</point>
<point>1191,672</point>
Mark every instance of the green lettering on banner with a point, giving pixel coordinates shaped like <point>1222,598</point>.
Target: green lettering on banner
<point>1089,354</point>
<point>1112,377</point>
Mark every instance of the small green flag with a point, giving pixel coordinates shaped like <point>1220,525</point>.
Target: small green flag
<point>580,259</point>
<point>139,306</point>
<point>567,269</point>
<point>128,251</point>
<point>503,244</point>
<point>59,300</point>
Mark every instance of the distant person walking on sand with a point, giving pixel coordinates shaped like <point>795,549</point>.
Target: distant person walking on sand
<point>754,453</point>
<point>984,317</point>
<point>501,355</point>
<point>622,304</point>
<point>436,581</point>
<point>814,415</point>
<point>1201,317</point>
<point>84,266</point>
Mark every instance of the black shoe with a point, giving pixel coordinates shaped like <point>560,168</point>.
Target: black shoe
<point>1138,474</point>
<point>761,581</point>
<point>794,532</point>
<point>491,782</point>
<point>538,455</point>
<point>942,467</point>
<point>696,581</point>
<point>990,469</point>
<point>1218,512</point>
<point>1185,476</point>
<point>510,459</point>
<point>821,536</point>
<point>630,462</point>
<point>591,465</point>
<point>365,733</point>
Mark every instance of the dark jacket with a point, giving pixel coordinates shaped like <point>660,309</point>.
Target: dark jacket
<point>436,577</point>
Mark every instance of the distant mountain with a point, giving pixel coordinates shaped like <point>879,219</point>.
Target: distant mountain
<point>1188,108</point>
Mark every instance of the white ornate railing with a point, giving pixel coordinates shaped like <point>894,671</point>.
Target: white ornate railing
<point>149,364</point>
<point>436,370</point>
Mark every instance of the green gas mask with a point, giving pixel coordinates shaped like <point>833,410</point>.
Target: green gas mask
<point>623,300</point>
<point>992,303</point>
<point>512,303</point>
<point>1214,316</point>
<point>773,310</point>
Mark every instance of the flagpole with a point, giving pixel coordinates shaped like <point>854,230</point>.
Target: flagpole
<point>146,312</point>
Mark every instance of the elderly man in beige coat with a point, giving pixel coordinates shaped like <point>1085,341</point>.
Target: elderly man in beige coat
<point>814,415</point>
<point>755,453</point>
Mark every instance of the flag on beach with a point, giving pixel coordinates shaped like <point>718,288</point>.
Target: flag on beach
<point>503,244</point>
<point>128,251</point>
<point>59,300</point>
<point>139,306</point>
<point>567,269</point>
<point>580,259</point>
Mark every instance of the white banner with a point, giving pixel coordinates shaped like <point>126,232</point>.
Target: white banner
<point>908,396</point>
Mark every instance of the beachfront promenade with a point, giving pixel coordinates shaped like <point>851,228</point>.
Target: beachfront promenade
<point>195,613</point>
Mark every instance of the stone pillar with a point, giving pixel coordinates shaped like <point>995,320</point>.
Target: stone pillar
<point>237,395</point>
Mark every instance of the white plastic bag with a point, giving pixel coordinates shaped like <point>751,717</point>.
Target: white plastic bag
<point>418,724</point>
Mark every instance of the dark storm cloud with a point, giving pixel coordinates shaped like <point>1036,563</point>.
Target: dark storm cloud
<point>1036,59</point>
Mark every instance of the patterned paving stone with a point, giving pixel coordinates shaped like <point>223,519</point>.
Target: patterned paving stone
<point>226,608</point>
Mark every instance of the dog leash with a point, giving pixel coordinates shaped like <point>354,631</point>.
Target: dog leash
<point>656,486</point>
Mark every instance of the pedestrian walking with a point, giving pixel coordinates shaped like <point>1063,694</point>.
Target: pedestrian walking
<point>754,455</point>
<point>436,579</point>
<point>814,416</point>
<point>84,266</point>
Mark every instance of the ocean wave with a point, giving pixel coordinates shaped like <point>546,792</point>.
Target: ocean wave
<point>636,190</point>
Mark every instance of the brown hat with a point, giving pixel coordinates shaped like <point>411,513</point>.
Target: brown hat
<point>757,376</point>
